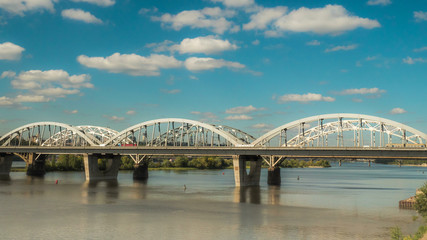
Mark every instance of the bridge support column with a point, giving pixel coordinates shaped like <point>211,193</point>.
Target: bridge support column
<point>92,171</point>
<point>241,177</point>
<point>274,177</point>
<point>36,165</point>
<point>5,164</point>
<point>140,172</point>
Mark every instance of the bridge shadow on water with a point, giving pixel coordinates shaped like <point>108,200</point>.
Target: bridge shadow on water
<point>100,192</point>
<point>252,194</point>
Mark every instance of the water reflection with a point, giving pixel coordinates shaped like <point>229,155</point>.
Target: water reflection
<point>140,189</point>
<point>100,192</point>
<point>252,194</point>
<point>32,180</point>
<point>274,195</point>
<point>4,178</point>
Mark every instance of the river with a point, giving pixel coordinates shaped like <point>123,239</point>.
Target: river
<point>353,201</point>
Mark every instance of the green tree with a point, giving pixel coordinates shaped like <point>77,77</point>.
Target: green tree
<point>421,201</point>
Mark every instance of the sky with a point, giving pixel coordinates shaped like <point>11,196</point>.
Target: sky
<point>250,64</point>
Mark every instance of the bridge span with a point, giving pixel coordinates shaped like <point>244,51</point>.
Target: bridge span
<point>340,136</point>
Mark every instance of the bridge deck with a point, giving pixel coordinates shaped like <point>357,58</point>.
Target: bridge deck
<point>313,152</point>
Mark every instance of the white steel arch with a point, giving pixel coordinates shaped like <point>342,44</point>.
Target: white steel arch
<point>37,133</point>
<point>237,133</point>
<point>357,123</point>
<point>174,131</point>
<point>98,135</point>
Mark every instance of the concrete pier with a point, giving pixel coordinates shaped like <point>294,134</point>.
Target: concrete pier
<point>140,172</point>
<point>36,165</point>
<point>5,164</point>
<point>92,171</point>
<point>241,177</point>
<point>274,177</point>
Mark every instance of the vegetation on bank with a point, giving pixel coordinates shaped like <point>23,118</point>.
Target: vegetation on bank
<point>400,162</point>
<point>75,163</point>
<point>421,207</point>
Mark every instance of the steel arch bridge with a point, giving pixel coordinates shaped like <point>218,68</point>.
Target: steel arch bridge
<point>355,130</point>
<point>338,130</point>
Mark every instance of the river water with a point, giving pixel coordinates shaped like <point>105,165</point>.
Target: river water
<point>353,201</point>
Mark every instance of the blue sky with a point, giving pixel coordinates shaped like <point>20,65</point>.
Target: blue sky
<point>253,65</point>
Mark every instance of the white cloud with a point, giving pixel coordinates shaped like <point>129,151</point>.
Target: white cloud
<point>71,111</point>
<point>18,7</point>
<point>206,45</point>
<point>201,64</point>
<point>342,48</point>
<point>409,60</point>
<point>194,78</point>
<point>420,16</point>
<point>255,42</point>
<point>6,101</point>
<point>10,51</point>
<point>239,117</point>
<point>80,15</point>
<point>130,112</point>
<point>36,79</point>
<point>397,111</point>
<point>304,98</point>
<point>362,91</point>
<point>420,49</point>
<point>102,3</point>
<point>206,116</point>
<point>243,109</point>
<point>56,92</point>
<point>172,91</point>
<point>160,47</point>
<point>114,118</point>
<point>131,64</point>
<point>379,2</point>
<point>313,43</point>
<point>212,19</point>
<point>8,74</point>
<point>331,19</point>
<point>236,3</point>
<point>264,17</point>
<point>31,98</point>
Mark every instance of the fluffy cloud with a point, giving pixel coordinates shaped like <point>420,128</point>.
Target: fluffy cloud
<point>71,111</point>
<point>342,48</point>
<point>172,91</point>
<point>239,117</point>
<point>379,2</point>
<point>206,45</point>
<point>102,3</point>
<point>10,51</point>
<point>209,18</point>
<point>114,118</point>
<point>43,86</point>
<point>304,98</point>
<point>397,111</point>
<point>236,3</point>
<point>409,60</point>
<point>80,15</point>
<point>131,64</point>
<point>362,91</point>
<point>20,6</point>
<point>264,17</point>
<point>313,43</point>
<point>262,126</point>
<point>200,64</point>
<point>420,49</point>
<point>206,116</point>
<point>130,112</point>
<point>37,80</point>
<point>331,19</point>
<point>243,109</point>
<point>420,16</point>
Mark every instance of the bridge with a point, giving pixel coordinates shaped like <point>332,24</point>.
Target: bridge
<point>340,136</point>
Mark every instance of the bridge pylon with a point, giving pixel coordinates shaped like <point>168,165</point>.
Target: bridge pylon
<point>5,164</point>
<point>92,171</point>
<point>241,177</point>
